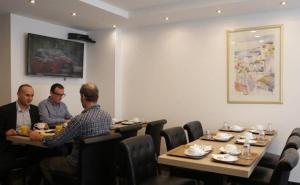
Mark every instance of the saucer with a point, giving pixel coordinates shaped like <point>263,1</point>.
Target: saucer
<point>243,141</point>
<point>225,157</point>
<point>187,152</point>
<point>234,152</point>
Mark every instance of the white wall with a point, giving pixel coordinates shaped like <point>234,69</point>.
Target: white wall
<point>20,26</point>
<point>101,67</point>
<point>178,72</point>
<point>5,59</point>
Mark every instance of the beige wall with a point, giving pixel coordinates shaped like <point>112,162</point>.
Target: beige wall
<point>5,51</point>
<point>101,66</point>
<point>178,72</point>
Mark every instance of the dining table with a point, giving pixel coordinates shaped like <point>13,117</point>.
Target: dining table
<point>241,168</point>
<point>22,139</point>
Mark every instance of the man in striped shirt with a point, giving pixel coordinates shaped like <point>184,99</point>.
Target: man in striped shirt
<point>91,122</point>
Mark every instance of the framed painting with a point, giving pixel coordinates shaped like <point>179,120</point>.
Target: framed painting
<point>254,65</point>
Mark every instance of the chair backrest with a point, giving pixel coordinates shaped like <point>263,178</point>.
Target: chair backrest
<point>153,129</point>
<point>140,157</point>
<point>296,131</point>
<point>174,137</point>
<point>129,130</point>
<point>97,159</point>
<point>281,173</point>
<point>194,130</point>
<point>292,142</point>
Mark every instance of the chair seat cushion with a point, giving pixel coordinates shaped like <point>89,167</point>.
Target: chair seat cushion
<point>269,160</point>
<point>168,180</point>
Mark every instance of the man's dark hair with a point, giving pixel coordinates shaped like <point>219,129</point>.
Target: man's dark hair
<point>90,92</point>
<point>54,86</point>
<point>23,85</point>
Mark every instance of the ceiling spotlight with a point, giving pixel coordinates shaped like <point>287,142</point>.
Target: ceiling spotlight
<point>114,26</point>
<point>73,14</point>
<point>282,3</point>
<point>219,11</point>
<point>253,31</point>
<point>166,18</point>
<point>32,1</point>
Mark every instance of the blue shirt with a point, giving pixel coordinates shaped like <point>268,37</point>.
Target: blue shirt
<point>91,122</point>
<point>53,113</point>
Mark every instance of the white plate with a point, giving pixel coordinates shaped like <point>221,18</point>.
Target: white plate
<point>243,141</point>
<point>48,130</point>
<point>237,129</point>
<point>236,152</point>
<point>128,122</point>
<point>186,152</point>
<point>254,131</point>
<point>225,157</point>
<point>225,137</point>
<point>244,137</point>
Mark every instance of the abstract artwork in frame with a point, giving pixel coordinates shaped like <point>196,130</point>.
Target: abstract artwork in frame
<point>254,60</point>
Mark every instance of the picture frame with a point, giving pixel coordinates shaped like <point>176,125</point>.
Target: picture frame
<point>254,59</point>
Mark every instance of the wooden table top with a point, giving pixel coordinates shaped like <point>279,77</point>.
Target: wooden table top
<point>208,164</point>
<point>24,140</point>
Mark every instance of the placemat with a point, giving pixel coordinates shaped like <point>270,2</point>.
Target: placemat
<point>230,130</point>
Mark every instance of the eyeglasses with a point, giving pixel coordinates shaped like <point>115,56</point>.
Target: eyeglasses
<point>61,95</point>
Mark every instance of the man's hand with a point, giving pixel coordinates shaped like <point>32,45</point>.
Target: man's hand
<point>11,132</point>
<point>35,136</point>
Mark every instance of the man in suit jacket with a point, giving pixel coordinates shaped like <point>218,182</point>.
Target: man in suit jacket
<point>11,116</point>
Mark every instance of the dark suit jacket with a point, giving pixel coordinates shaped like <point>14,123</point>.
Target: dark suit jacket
<point>8,118</point>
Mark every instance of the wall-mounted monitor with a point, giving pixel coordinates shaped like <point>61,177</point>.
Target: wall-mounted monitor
<point>47,56</point>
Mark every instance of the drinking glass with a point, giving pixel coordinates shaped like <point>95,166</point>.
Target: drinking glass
<point>261,135</point>
<point>270,129</point>
<point>246,151</point>
<point>208,134</point>
<point>225,125</point>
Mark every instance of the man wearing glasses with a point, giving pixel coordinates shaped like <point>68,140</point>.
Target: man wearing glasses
<point>52,110</point>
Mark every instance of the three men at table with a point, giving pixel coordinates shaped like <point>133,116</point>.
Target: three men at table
<point>91,122</point>
<point>52,110</point>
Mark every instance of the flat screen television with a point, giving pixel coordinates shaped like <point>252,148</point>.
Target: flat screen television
<point>47,56</point>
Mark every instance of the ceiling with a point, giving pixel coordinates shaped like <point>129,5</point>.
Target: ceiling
<point>102,14</point>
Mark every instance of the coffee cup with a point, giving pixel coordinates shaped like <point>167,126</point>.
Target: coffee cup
<point>248,135</point>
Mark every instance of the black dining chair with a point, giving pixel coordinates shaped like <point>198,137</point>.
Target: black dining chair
<point>277,176</point>
<point>97,161</point>
<point>296,131</point>
<point>142,165</point>
<point>129,130</point>
<point>271,160</point>
<point>194,130</point>
<point>153,129</point>
<point>174,137</point>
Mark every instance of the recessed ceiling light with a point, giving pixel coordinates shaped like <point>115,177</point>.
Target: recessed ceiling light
<point>257,36</point>
<point>261,41</point>
<point>114,26</point>
<point>166,18</point>
<point>73,14</point>
<point>253,31</point>
<point>32,1</point>
<point>219,11</point>
<point>282,3</point>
